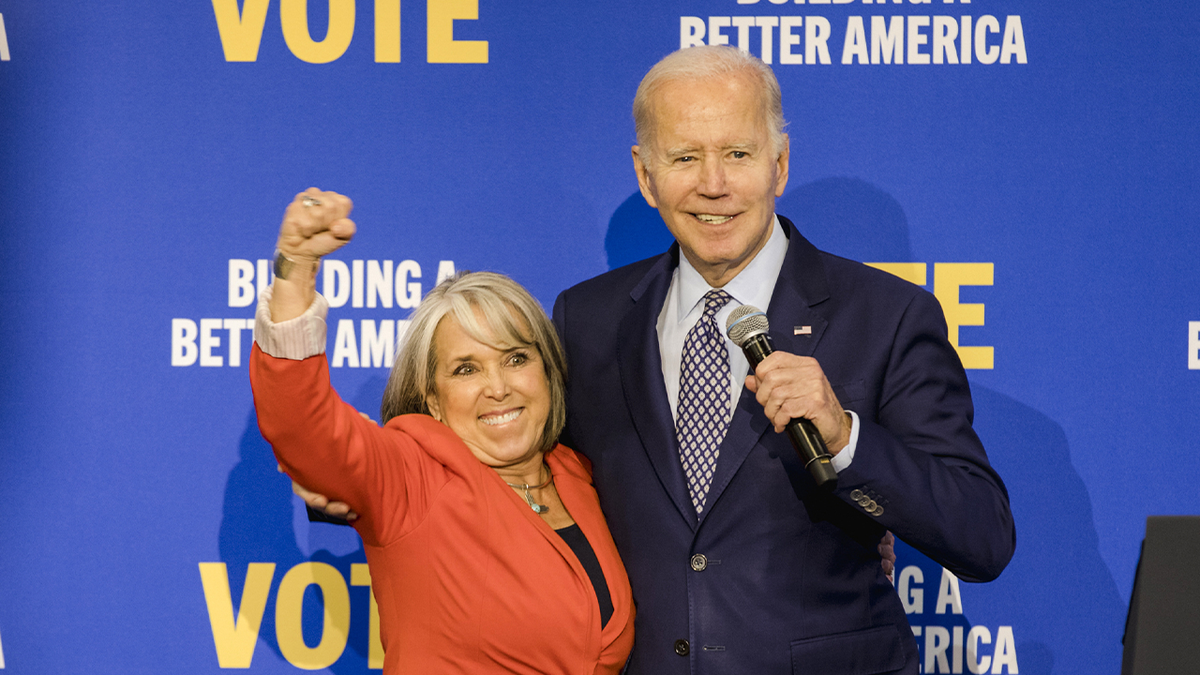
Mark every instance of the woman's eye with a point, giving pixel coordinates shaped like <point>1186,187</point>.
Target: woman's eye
<point>464,369</point>
<point>518,359</point>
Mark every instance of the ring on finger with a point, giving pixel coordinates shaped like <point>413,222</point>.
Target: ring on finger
<point>310,201</point>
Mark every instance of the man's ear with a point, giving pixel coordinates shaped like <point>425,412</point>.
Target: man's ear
<point>643,177</point>
<point>781,167</point>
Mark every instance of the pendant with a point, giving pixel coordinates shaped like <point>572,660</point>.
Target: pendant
<point>537,508</point>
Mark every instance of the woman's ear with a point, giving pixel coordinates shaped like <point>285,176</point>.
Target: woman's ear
<point>435,410</point>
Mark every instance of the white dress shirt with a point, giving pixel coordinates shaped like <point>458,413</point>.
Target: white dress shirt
<point>684,306</point>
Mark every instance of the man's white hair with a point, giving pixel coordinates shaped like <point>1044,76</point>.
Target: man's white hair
<point>703,63</point>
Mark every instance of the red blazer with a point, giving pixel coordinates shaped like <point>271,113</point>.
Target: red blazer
<point>467,577</point>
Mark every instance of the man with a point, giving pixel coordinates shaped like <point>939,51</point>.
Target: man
<point>739,564</point>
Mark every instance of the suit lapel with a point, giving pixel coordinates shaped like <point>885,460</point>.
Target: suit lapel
<point>796,328</point>
<point>640,366</point>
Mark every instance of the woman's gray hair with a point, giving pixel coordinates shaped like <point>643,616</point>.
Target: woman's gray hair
<point>492,309</point>
<point>702,63</point>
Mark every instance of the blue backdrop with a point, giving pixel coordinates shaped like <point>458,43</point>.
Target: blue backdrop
<point>1046,190</point>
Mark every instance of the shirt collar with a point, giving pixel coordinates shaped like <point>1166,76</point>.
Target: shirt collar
<point>752,286</point>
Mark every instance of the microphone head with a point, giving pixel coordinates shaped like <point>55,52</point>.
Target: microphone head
<point>744,323</point>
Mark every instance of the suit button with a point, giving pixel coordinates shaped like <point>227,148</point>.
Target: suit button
<point>699,562</point>
<point>856,495</point>
<point>878,511</point>
<point>870,505</point>
<point>682,647</point>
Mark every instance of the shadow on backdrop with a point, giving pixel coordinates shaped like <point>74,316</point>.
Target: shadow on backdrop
<point>264,522</point>
<point>1057,590</point>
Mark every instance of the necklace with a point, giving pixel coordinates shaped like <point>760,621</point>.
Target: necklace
<point>537,508</point>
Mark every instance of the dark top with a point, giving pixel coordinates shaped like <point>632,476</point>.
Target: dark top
<point>587,557</point>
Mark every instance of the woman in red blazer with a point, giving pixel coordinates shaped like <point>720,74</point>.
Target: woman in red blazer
<point>487,548</point>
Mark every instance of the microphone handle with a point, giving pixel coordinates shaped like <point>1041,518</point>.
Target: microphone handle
<point>803,433</point>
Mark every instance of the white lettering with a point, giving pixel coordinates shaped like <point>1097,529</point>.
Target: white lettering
<point>965,44</point>
<point>378,348</point>
<point>948,595</point>
<point>956,654</point>
<point>1006,651</point>
<point>945,30</point>
<point>445,271</point>
<point>855,44</point>
<point>937,639</point>
<point>787,39</point>
<point>356,283</point>
<point>1194,345</point>
<point>208,342</point>
<point>337,282</point>
<point>715,24</point>
<point>183,342</point>
<point>3,57</point>
<point>1013,43</point>
<point>816,34</point>
<point>986,24</point>
<point>379,283</point>
<point>266,274</point>
<point>916,38</point>
<point>913,599</point>
<point>887,41</point>
<point>408,294</point>
<point>241,282</point>
<point>766,25</point>
<point>975,663</point>
<point>743,25</point>
<point>235,327</point>
<point>691,31</point>
<point>345,347</point>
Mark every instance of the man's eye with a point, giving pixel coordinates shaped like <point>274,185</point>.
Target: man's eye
<point>686,158</point>
<point>740,154</point>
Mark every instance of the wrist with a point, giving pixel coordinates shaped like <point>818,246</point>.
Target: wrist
<point>294,266</point>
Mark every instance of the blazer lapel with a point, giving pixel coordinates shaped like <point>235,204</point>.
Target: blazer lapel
<point>640,366</point>
<point>796,328</point>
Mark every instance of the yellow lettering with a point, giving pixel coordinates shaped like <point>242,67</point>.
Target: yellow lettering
<point>947,278</point>
<point>242,32</point>
<point>235,637</point>
<point>387,31</point>
<point>360,575</point>
<point>442,47</point>
<point>293,15</point>
<point>289,605</point>
<point>914,273</point>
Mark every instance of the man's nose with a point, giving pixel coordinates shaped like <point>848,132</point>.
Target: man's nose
<point>712,179</point>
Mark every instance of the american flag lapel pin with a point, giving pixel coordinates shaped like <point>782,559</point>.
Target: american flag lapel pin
<point>802,330</point>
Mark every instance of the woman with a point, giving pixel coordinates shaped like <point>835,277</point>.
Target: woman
<point>487,548</point>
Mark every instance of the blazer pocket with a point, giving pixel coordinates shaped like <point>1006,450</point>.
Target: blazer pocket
<point>849,392</point>
<point>863,652</point>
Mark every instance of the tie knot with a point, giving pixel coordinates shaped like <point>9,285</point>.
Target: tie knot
<point>714,300</point>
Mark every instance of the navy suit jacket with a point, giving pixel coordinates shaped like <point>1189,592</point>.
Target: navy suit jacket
<point>776,576</point>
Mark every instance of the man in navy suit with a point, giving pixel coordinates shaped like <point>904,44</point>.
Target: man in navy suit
<point>759,571</point>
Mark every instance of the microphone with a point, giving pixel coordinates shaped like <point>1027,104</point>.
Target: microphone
<point>747,326</point>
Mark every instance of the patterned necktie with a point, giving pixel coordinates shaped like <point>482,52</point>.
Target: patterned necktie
<point>703,416</point>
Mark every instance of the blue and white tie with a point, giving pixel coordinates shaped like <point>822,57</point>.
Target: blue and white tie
<point>703,411</point>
